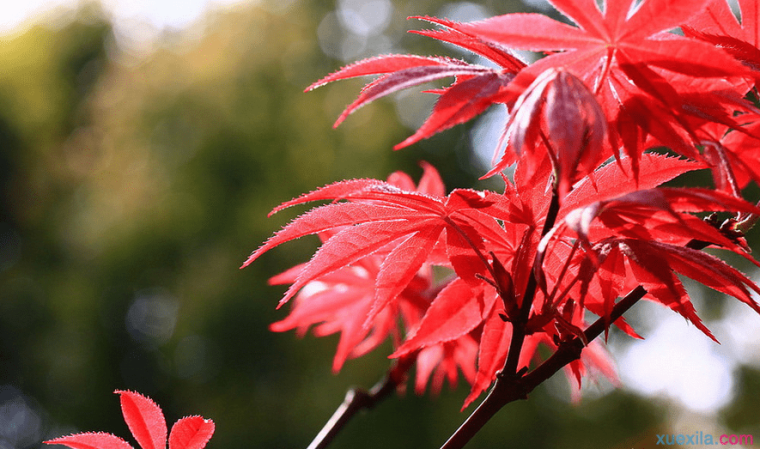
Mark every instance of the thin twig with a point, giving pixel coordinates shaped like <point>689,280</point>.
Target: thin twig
<point>518,325</point>
<point>358,399</point>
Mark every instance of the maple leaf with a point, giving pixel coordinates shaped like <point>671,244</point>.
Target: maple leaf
<point>653,265</point>
<point>733,155</point>
<point>530,197</point>
<point>454,312</point>
<point>461,307</point>
<point>595,213</point>
<point>612,180</point>
<point>717,25</point>
<point>345,300</point>
<point>649,231</point>
<point>653,214</point>
<point>405,226</point>
<point>476,87</point>
<point>148,426</point>
<point>443,361</point>
<point>627,57</point>
<point>342,301</point>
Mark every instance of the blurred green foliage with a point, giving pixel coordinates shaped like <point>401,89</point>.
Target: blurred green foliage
<point>131,192</point>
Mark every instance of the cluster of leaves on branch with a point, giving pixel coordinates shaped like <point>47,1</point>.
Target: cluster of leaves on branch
<point>148,426</point>
<point>613,86</point>
<point>475,281</point>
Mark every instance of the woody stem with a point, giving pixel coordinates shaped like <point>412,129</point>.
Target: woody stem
<point>358,399</point>
<point>518,325</point>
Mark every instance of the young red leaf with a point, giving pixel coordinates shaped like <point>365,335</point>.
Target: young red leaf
<point>405,226</point>
<point>592,47</point>
<point>636,214</point>
<point>717,18</point>
<point>414,76</point>
<point>459,103</point>
<point>718,25</point>
<point>192,432</point>
<point>708,270</point>
<point>700,200</point>
<point>653,264</point>
<point>464,260</point>
<point>444,360</point>
<point>611,274</point>
<point>476,87</point>
<point>596,357</point>
<point>379,65</point>
<point>91,440</point>
<point>374,264</point>
<point>329,217</point>
<point>494,345</point>
<point>613,180</point>
<point>454,312</point>
<point>657,278</point>
<point>733,155</point>
<point>341,302</point>
<point>334,191</point>
<point>357,242</point>
<point>456,33</point>
<point>402,264</point>
<point>431,182</point>
<point>145,419</point>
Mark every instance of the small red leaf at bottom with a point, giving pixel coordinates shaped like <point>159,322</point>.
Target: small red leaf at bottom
<point>144,418</point>
<point>192,432</point>
<point>91,440</point>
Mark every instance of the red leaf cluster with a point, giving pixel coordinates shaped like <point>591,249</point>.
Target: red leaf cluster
<point>456,279</point>
<point>148,426</point>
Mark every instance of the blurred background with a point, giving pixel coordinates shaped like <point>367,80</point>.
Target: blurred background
<point>142,145</point>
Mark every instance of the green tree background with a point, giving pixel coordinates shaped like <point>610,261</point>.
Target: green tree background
<point>133,187</point>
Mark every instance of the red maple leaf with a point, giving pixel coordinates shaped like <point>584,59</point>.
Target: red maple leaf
<point>443,361</point>
<point>494,347</point>
<point>641,238</point>
<point>405,226</point>
<point>640,72</point>
<point>733,155</point>
<point>718,25</point>
<point>148,426</point>
<point>603,185</point>
<point>343,300</point>
<point>476,87</point>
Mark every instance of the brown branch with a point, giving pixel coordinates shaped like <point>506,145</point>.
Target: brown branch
<point>358,399</point>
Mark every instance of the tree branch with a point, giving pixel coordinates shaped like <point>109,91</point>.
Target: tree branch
<point>358,399</point>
